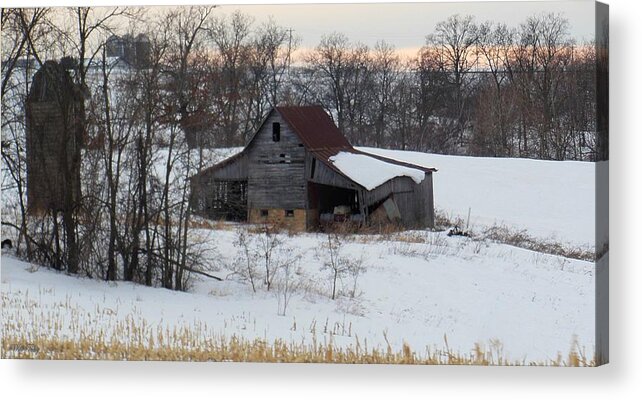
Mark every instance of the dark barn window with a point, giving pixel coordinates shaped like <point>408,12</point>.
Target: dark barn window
<point>289,213</point>
<point>276,131</point>
<point>313,167</point>
<point>264,213</point>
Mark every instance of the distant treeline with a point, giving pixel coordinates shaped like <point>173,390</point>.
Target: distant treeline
<point>476,88</point>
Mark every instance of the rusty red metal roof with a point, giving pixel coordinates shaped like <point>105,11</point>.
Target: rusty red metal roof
<point>315,127</point>
<point>322,137</point>
<point>318,132</point>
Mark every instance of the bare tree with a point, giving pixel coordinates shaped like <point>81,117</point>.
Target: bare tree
<point>454,46</point>
<point>22,30</point>
<point>286,286</point>
<point>495,43</point>
<point>247,258</point>
<point>386,69</point>
<point>342,82</point>
<point>185,30</point>
<point>435,130</point>
<point>268,244</point>
<point>231,40</point>
<point>25,33</point>
<point>359,94</point>
<point>403,110</point>
<point>541,56</point>
<point>269,60</point>
<point>330,61</point>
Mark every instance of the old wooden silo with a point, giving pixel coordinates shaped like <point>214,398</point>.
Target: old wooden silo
<point>54,134</point>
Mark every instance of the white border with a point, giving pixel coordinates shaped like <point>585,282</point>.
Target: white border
<point>621,379</point>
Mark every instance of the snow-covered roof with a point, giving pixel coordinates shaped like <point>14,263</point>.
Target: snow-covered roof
<point>370,172</point>
<point>419,159</point>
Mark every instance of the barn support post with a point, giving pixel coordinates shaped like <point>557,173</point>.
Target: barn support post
<point>362,207</point>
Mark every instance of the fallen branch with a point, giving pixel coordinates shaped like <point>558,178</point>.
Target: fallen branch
<point>202,273</point>
<point>182,266</point>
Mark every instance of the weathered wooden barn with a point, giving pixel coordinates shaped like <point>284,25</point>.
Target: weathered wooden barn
<point>300,171</point>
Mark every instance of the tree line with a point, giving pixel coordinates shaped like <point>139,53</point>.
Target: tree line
<point>209,80</point>
<point>481,89</point>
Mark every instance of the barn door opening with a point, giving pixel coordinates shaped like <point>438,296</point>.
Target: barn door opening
<point>228,200</point>
<point>333,204</point>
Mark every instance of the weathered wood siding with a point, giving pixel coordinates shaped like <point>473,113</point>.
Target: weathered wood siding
<point>318,172</point>
<point>416,207</point>
<point>234,171</point>
<point>429,201</point>
<point>276,169</point>
<point>206,190</point>
<point>401,184</point>
<point>415,201</point>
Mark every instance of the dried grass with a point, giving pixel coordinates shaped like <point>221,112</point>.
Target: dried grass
<point>181,346</point>
<point>521,238</point>
<point>63,332</point>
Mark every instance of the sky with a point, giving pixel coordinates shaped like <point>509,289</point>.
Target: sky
<point>405,25</point>
<point>402,24</point>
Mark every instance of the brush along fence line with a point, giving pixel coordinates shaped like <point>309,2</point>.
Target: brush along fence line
<point>517,237</point>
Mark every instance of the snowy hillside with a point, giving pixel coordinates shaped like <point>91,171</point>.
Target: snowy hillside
<point>550,199</point>
<point>416,287</point>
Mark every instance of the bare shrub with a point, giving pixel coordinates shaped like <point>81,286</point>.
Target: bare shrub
<point>286,285</point>
<point>260,256</point>
<point>273,254</point>
<point>443,220</point>
<point>339,264</point>
<point>355,268</point>
<point>247,258</point>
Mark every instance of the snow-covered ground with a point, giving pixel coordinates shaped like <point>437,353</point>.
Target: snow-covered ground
<point>549,199</point>
<point>418,287</point>
<point>535,305</point>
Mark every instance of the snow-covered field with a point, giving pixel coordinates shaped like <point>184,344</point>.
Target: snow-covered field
<point>418,287</point>
<point>549,199</point>
<point>533,304</point>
